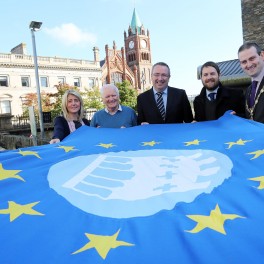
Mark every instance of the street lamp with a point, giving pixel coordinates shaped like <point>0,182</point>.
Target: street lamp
<point>34,26</point>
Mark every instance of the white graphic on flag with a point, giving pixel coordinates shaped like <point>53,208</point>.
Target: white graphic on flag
<point>138,183</point>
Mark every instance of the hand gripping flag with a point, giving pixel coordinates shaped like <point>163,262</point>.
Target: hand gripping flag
<point>172,193</point>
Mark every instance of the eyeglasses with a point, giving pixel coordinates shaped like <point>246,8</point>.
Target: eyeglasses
<point>163,75</point>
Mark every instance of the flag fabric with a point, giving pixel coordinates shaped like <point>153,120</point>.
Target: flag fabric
<point>172,193</point>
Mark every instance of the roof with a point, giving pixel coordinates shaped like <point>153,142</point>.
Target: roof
<point>135,22</point>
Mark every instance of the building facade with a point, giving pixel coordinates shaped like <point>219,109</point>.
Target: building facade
<point>17,76</point>
<point>133,62</point>
<point>253,21</point>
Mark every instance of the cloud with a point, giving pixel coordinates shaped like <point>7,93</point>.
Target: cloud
<point>71,35</point>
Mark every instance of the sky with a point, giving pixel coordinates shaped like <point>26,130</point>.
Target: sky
<point>184,34</point>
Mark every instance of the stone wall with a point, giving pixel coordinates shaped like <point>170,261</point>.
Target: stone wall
<point>253,21</point>
<point>10,142</point>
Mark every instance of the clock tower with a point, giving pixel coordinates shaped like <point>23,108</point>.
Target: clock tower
<point>138,53</point>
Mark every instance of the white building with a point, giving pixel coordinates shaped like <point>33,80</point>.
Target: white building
<point>17,76</point>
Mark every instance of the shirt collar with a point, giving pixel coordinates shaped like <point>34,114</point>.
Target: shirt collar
<point>119,109</point>
<point>259,77</point>
<point>211,91</point>
<point>164,92</point>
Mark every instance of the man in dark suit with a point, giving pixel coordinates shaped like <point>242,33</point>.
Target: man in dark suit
<point>251,58</point>
<point>163,104</point>
<point>215,99</point>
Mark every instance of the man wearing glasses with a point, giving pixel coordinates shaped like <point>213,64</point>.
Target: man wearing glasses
<point>163,104</point>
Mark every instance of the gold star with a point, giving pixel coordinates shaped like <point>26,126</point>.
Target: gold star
<point>110,145</point>
<point>150,143</point>
<point>6,174</point>
<point>67,148</point>
<point>102,244</point>
<point>214,221</point>
<point>257,153</point>
<point>29,153</point>
<point>261,181</point>
<point>239,142</point>
<point>194,142</point>
<point>15,210</point>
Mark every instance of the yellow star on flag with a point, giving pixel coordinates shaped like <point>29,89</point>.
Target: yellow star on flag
<point>29,153</point>
<point>7,174</point>
<point>103,145</point>
<point>15,210</point>
<point>214,221</point>
<point>194,142</point>
<point>150,143</point>
<point>67,148</point>
<point>102,244</point>
<point>238,142</point>
<point>257,153</point>
<point>260,179</point>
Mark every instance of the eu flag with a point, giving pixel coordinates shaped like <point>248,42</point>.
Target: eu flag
<point>172,193</point>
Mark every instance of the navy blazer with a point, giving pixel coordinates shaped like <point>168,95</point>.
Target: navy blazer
<point>226,99</point>
<point>61,127</point>
<point>178,109</point>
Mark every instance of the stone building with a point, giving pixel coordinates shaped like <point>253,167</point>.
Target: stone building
<point>253,21</point>
<point>17,76</point>
<point>132,63</point>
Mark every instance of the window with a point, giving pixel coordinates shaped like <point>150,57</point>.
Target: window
<point>76,82</point>
<point>116,77</point>
<point>5,107</point>
<point>44,81</point>
<point>25,81</point>
<point>61,80</point>
<point>3,81</point>
<point>91,83</point>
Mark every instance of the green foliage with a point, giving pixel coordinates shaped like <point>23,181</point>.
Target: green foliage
<point>51,102</point>
<point>92,99</point>
<point>128,94</point>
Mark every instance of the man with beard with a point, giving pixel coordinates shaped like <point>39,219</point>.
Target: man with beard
<point>251,59</point>
<point>163,104</point>
<point>215,99</point>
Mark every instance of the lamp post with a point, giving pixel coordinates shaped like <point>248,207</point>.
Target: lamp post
<point>34,26</point>
<point>143,80</point>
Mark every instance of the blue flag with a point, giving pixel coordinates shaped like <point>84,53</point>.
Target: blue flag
<point>173,193</point>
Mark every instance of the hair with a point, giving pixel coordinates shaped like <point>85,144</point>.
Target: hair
<point>65,100</point>
<point>106,86</point>
<point>160,64</point>
<point>210,64</point>
<point>248,45</point>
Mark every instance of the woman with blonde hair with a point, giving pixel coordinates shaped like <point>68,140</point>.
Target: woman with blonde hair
<point>72,118</point>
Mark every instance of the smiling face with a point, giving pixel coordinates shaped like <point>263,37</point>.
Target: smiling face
<point>160,77</point>
<point>251,62</point>
<point>110,99</point>
<point>73,105</point>
<point>210,78</point>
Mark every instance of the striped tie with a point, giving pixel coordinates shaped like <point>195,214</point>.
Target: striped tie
<point>160,105</point>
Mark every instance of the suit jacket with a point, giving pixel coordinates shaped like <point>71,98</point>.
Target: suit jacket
<point>61,127</point>
<point>258,112</point>
<point>178,109</point>
<point>226,99</point>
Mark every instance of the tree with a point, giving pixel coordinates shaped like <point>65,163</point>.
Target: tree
<point>128,94</point>
<point>92,99</point>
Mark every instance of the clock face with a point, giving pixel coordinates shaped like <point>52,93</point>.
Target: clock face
<point>131,44</point>
<point>143,43</point>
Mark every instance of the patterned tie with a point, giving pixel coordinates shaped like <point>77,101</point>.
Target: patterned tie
<point>253,93</point>
<point>212,96</point>
<point>160,105</point>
